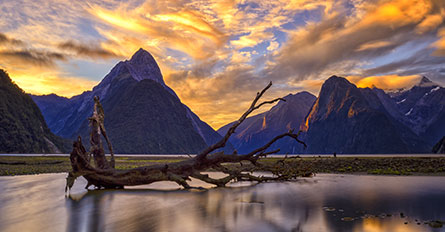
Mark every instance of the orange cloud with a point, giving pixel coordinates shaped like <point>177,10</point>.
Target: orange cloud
<point>388,82</point>
<point>373,45</point>
<point>398,12</point>
<point>430,22</point>
<point>440,44</point>
<point>51,82</point>
<point>177,28</point>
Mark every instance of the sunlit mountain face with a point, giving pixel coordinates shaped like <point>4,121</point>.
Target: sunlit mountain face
<point>217,54</point>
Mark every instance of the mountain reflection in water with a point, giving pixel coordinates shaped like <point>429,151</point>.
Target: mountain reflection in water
<point>37,203</point>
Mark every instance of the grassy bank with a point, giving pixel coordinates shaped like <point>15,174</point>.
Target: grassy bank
<point>12,165</point>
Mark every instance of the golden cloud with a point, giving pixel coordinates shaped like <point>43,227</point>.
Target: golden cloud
<point>430,22</point>
<point>46,82</point>
<point>397,13</point>
<point>187,31</point>
<point>440,44</point>
<point>388,82</point>
<point>373,45</point>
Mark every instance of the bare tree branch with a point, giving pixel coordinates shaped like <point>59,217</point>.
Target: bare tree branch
<point>103,174</point>
<point>231,130</point>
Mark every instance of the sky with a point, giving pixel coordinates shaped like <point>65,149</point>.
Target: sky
<point>217,54</point>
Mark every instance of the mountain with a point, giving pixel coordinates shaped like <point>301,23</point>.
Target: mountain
<point>257,130</point>
<point>423,109</point>
<point>22,126</point>
<point>347,119</point>
<point>142,114</point>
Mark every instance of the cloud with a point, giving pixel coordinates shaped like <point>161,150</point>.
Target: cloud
<point>178,28</point>
<point>6,40</point>
<point>372,29</point>
<point>440,44</point>
<point>373,45</point>
<point>273,46</point>
<point>312,86</point>
<point>89,51</point>
<point>223,98</point>
<point>30,57</point>
<point>420,62</point>
<point>430,22</point>
<point>48,82</point>
<point>388,82</point>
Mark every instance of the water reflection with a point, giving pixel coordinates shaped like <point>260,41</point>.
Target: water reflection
<point>366,203</point>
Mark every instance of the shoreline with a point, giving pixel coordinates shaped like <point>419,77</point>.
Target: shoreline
<point>357,165</point>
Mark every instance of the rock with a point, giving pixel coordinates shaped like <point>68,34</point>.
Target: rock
<point>328,209</point>
<point>347,219</point>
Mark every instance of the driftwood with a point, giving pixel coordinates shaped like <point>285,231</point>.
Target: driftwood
<point>104,175</point>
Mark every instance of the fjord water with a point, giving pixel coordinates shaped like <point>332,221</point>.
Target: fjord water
<point>365,203</point>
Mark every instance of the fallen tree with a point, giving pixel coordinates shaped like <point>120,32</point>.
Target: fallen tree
<point>104,175</point>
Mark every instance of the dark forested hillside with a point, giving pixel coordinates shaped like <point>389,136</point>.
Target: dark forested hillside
<point>22,127</point>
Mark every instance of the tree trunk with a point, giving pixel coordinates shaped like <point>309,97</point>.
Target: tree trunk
<point>103,174</point>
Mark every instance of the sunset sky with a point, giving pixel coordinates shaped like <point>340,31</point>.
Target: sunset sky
<point>217,54</point>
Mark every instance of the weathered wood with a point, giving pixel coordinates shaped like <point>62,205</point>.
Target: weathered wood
<point>103,174</point>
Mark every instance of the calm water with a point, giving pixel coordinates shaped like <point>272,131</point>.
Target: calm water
<point>38,203</point>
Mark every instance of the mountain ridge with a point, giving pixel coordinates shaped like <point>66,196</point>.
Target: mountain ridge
<point>343,116</point>
<point>257,130</point>
<point>22,126</point>
<point>68,120</point>
<point>347,119</point>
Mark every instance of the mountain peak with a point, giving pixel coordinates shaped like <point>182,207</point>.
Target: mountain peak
<point>336,81</point>
<point>425,82</point>
<point>303,94</point>
<point>141,66</point>
<point>142,55</point>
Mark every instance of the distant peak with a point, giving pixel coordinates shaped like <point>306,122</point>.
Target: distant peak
<point>306,93</point>
<point>337,80</point>
<point>298,95</point>
<point>425,82</point>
